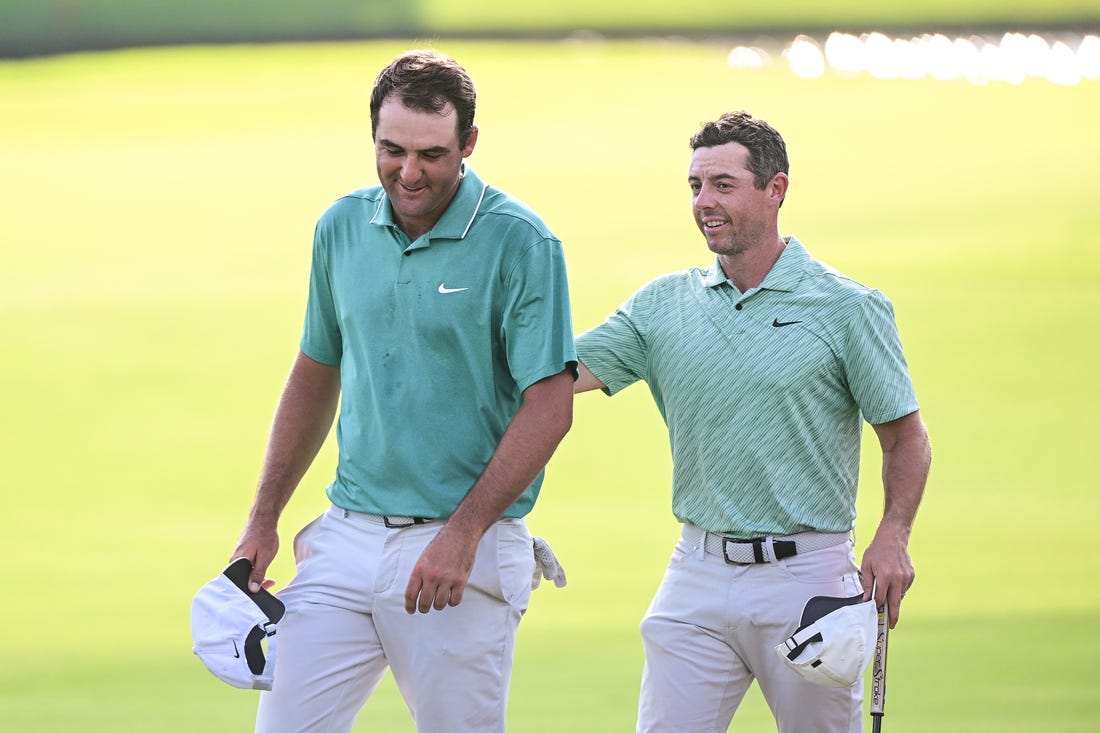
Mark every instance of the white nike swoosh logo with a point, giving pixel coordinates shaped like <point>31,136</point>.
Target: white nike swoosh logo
<point>444,289</point>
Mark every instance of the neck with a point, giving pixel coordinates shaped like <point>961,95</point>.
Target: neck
<point>748,268</point>
<point>413,232</point>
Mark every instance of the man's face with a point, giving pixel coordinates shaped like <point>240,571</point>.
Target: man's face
<point>729,210</point>
<point>419,162</point>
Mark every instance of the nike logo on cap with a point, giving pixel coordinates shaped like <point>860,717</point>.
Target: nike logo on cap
<point>444,289</point>
<point>780,324</point>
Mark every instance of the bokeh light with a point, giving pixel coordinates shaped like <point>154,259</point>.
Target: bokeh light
<point>1013,58</point>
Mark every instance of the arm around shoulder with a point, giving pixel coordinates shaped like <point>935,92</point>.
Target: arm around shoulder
<point>586,380</point>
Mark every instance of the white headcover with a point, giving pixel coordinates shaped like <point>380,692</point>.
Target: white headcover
<point>835,649</point>
<point>229,624</point>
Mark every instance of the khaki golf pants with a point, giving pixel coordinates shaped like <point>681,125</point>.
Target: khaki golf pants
<point>712,629</point>
<point>346,623</point>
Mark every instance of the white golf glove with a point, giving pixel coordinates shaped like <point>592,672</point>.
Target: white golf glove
<point>546,565</point>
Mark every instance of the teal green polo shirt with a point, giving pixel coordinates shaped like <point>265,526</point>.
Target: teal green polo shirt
<point>436,340</point>
<point>763,393</point>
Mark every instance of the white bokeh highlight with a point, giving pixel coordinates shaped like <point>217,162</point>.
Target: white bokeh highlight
<point>1013,58</point>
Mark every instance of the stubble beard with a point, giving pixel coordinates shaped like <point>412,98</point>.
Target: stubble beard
<point>732,247</point>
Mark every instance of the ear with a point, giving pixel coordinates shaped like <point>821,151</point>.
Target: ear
<point>777,188</point>
<point>471,141</point>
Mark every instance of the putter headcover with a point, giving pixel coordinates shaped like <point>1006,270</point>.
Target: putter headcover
<point>229,624</point>
<point>835,641</point>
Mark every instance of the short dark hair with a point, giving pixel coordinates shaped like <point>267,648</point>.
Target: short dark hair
<point>767,151</point>
<point>426,81</point>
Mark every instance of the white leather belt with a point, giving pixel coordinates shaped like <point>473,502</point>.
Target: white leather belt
<point>389,520</point>
<point>761,549</point>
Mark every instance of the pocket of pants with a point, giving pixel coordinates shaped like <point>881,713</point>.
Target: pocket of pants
<point>302,547</point>
<point>516,561</point>
<point>829,566</point>
<point>680,552</point>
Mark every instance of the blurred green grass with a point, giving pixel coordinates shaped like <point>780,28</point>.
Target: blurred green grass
<point>58,26</point>
<point>711,18</point>
<point>157,209</point>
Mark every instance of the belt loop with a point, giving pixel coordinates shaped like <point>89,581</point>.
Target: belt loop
<point>758,549</point>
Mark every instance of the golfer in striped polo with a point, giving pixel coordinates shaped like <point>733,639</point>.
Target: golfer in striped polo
<point>764,366</point>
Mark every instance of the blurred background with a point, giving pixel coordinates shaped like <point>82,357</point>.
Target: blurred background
<point>51,26</point>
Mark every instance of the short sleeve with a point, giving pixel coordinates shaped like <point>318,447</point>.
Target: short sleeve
<point>321,337</point>
<point>537,322</point>
<point>616,351</point>
<point>877,373</point>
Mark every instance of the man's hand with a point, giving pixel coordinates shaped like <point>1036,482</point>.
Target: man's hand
<point>886,565</point>
<point>259,543</point>
<point>906,456</point>
<point>440,575</point>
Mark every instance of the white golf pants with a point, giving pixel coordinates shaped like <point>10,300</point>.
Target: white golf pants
<point>712,629</point>
<point>346,624</point>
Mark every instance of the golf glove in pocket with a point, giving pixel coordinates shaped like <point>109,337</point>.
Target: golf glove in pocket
<point>546,564</point>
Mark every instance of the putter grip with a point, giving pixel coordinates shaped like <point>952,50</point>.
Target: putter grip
<point>878,669</point>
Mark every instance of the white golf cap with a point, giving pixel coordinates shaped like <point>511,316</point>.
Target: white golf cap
<point>835,641</point>
<point>229,626</point>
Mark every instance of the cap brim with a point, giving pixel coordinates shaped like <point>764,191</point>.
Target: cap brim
<point>238,573</point>
<point>820,606</point>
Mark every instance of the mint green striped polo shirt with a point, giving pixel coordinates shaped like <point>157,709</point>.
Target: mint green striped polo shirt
<point>436,340</point>
<point>764,393</point>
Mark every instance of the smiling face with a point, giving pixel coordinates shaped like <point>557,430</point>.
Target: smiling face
<point>732,213</point>
<point>419,161</point>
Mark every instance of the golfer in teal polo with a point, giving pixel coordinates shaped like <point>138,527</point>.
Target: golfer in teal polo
<point>438,325</point>
<point>764,366</point>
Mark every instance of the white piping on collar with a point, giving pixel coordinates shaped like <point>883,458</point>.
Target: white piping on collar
<point>477,208</point>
